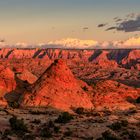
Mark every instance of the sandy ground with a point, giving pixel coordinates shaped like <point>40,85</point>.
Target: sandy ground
<point>85,126</point>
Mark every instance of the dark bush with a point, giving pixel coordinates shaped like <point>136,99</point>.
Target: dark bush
<point>28,137</point>
<point>132,135</point>
<point>17,124</point>
<point>68,133</point>
<point>65,117</point>
<point>124,123</point>
<point>46,132</point>
<point>85,88</point>
<point>51,124</point>
<point>56,129</point>
<point>37,112</point>
<point>79,110</point>
<point>138,100</point>
<point>7,132</point>
<point>14,105</point>
<point>118,125</point>
<point>130,99</point>
<point>36,121</point>
<point>131,111</point>
<point>109,135</point>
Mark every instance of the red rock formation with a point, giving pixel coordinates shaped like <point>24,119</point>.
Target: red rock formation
<point>132,60</point>
<point>21,53</point>
<point>113,95</point>
<point>57,87</point>
<point>103,61</point>
<point>25,75</point>
<point>7,83</point>
<point>7,79</point>
<point>128,58</point>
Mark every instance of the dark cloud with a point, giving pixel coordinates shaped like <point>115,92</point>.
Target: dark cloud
<point>2,40</point>
<point>102,25</point>
<point>129,25</point>
<point>85,28</point>
<point>110,28</point>
<point>132,24</point>
<point>118,20</point>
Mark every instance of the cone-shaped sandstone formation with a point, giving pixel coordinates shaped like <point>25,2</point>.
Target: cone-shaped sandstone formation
<point>57,87</point>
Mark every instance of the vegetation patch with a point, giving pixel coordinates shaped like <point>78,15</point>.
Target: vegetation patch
<point>65,117</point>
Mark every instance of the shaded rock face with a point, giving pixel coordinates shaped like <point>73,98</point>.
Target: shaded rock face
<point>101,59</point>
<point>132,60</point>
<point>57,87</point>
<point>113,95</point>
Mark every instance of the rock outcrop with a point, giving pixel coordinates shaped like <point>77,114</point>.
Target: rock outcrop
<point>114,95</point>
<point>57,87</point>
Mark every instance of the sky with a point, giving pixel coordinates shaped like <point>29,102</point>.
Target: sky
<point>38,21</point>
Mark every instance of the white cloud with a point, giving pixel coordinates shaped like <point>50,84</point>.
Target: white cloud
<point>133,42</point>
<point>74,43</point>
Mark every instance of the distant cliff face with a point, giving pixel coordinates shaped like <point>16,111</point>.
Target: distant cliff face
<point>104,58</point>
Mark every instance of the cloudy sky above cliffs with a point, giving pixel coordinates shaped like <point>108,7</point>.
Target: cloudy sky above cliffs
<point>97,21</point>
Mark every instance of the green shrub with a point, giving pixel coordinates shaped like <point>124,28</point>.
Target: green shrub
<point>65,117</point>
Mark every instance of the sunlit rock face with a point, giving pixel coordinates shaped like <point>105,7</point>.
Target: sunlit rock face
<point>59,88</point>
<point>7,79</point>
<point>128,58</point>
<point>7,83</point>
<point>114,95</point>
<point>25,75</point>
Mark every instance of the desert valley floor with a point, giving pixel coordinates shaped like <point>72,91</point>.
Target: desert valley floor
<point>62,94</point>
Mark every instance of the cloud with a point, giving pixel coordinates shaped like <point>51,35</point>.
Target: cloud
<point>110,28</point>
<point>73,43</point>
<point>131,23</point>
<point>85,28</point>
<point>102,25</point>
<point>133,42</point>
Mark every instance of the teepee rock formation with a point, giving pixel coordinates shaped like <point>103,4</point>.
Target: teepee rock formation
<point>57,87</point>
